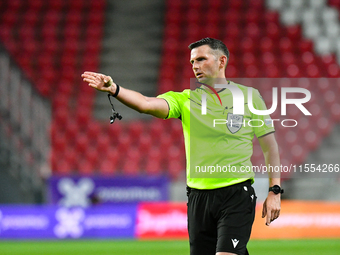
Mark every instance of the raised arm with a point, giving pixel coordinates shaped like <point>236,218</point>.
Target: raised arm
<point>272,204</point>
<point>149,105</point>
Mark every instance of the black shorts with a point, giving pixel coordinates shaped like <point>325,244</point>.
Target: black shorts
<point>220,220</point>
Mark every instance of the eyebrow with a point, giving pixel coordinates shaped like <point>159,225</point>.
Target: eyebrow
<point>199,58</point>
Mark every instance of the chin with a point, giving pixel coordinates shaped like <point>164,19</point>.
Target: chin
<point>202,80</point>
<point>206,81</point>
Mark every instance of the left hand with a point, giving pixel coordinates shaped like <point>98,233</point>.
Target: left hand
<point>271,207</point>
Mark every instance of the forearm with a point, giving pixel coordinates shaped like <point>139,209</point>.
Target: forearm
<point>150,105</point>
<point>130,98</point>
<point>272,158</point>
<point>272,204</point>
<point>136,101</point>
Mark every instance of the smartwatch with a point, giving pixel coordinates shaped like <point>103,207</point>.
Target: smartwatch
<point>276,189</point>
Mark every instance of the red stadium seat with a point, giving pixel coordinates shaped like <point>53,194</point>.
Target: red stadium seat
<point>313,71</point>
<point>176,170</point>
<point>144,142</point>
<point>272,71</point>
<point>96,19</point>
<point>107,167</point>
<point>93,157</point>
<point>59,142</point>
<point>293,71</point>
<point>73,19</point>
<point>267,45</point>
<point>153,167</point>
<point>215,4</point>
<point>294,33</point>
<point>273,31</point>
<point>63,167</point>
<point>248,59</point>
<point>252,71</point>
<point>299,154</point>
<point>131,168</point>
<point>84,167</point>
<point>56,4</point>
<point>52,18</point>
<point>135,129</point>
<point>248,45</point>
<point>232,18</point>
<point>253,31</point>
<point>37,5</point>
<point>286,45</point>
<point>232,71</point>
<point>312,139</point>
<point>98,5</point>
<point>155,153</point>
<point>81,142</point>
<point>253,16</point>
<point>324,125</point>
<point>10,18</point>
<point>305,46</point>
<point>333,71</point>
<point>235,4</point>
<point>76,5</point>
<point>291,138</point>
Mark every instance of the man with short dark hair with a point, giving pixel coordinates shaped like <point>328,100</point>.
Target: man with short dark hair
<point>221,200</point>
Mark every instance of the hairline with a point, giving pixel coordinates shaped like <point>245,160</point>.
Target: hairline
<point>215,52</point>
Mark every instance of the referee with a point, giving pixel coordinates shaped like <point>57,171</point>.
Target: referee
<point>221,200</point>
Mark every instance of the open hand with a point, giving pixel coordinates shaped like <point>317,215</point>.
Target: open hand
<point>99,81</point>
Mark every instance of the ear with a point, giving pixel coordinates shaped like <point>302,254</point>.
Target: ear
<point>223,61</point>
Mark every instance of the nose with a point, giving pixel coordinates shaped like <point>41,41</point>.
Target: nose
<point>195,65</point>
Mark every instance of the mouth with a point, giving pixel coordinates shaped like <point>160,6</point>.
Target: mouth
<point>199,75</point>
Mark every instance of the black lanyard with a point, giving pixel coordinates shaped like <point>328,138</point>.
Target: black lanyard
<point>114,113</point>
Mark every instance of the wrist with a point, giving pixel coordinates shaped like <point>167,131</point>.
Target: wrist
<point>116,91</point>
<point>276,189</point>
<point>113,89</point>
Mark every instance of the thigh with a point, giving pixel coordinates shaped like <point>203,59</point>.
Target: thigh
<point>236,220</point>
<point>201,225</point>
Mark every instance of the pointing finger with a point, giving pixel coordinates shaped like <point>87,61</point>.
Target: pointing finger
<point>269,215</point>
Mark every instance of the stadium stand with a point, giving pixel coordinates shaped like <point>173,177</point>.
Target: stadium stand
<point>54,41</point>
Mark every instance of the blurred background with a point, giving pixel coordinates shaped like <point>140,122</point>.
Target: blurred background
<point>55,135</point>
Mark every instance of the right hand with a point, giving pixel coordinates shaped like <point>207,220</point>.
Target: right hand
<point>100,82</point>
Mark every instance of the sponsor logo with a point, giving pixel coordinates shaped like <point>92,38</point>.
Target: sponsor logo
<point>75,194</point>
<point>172,221</point>
<point>235,242</point>
<point>69,222</point>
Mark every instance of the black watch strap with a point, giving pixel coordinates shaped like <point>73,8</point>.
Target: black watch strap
<point>276,189</point>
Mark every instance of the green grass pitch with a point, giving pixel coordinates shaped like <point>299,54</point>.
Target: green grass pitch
<point>132,247</point>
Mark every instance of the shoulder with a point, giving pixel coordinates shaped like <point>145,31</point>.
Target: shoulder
<point>185,94</point>
<point>243,87</point>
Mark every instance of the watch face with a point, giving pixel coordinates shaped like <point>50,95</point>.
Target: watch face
<point>276,189</point>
